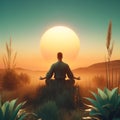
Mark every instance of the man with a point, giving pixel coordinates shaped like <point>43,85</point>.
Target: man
<point>60,70</point>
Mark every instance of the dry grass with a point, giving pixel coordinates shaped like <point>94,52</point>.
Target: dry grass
<point>9,59</point>
<point>109,47</point>
<point>109,36</point>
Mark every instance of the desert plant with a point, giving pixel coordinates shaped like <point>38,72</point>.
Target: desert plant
<point>9,110</point>
<point>9,59</point>
<point>48,111</point>
<point>66,98</point>
<point>109,53</point>
<point>12,80</point>
<point>24,78</point>
<point>106,105</point>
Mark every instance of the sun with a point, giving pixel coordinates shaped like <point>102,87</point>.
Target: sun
<point>59,39</point>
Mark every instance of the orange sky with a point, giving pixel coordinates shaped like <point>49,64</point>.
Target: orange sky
<point>26,21</point>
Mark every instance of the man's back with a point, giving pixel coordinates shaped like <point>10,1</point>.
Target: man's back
<point>60,70</point>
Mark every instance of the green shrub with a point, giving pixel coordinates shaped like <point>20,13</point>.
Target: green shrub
<point>9,110</point>
<point>65,98</point>
<point>106,104</point>
<point>48,111</point>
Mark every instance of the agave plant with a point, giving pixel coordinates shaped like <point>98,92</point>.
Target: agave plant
<point>106,105</point>
<point>9,110</point>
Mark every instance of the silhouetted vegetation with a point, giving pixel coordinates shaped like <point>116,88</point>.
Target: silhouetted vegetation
<point>9,58</point>
<point>109,54</point>
<point>13,80</point>
<point>64,97</point>
<point>50,101</point>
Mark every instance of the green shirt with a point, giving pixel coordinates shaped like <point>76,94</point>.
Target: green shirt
<point>59,70</point>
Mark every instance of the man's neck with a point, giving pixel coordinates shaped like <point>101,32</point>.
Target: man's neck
<point>59,60</point>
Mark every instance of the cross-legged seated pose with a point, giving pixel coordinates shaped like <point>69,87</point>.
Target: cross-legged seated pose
<point>60,70</point>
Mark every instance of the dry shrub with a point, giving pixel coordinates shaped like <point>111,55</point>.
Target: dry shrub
<point>12,80</point>
<point>98,81</point>
<point>77,115</point>
<point>24,78</point>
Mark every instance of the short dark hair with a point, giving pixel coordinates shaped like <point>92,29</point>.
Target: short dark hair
<point>59,55</point>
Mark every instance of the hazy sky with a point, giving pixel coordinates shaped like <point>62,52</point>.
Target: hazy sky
<point>26,20</point>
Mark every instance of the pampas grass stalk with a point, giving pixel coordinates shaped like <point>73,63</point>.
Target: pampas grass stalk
<point>9,59</point>
<point>109,52</point>
<point>109,36</point>
<point>14,60</point>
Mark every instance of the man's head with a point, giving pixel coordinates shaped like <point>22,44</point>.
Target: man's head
<point>59,56</point>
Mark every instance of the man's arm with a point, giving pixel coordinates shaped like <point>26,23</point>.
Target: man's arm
<point>70,74</point>
<point>77,78</point>
<point>50,72</point>
<point>48,75</point>
<point>42,78</point>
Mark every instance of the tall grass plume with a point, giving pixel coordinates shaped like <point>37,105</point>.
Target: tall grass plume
<point>9,58</point>
<point>11,79</point>
<point>109,47</point>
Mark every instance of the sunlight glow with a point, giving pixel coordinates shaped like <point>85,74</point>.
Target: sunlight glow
<point>59,38</point>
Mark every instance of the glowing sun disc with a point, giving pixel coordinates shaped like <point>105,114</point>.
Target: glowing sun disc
<point>59,39</point>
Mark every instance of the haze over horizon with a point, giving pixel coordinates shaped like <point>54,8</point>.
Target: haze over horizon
<point>26,21</point>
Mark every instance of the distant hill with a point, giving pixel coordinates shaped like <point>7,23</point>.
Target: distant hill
<point>114,64</point>
<point>99,67</point>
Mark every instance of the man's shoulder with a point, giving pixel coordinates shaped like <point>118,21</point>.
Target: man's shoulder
<point>60,64</point>
<point>65,63</point>
<point>54,64</point>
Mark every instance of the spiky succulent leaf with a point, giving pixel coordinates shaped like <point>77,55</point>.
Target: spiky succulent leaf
<point>1,114</point>
<point>95,113</point>
<point>114,98</point>
<point>4,106</point>
<point>114,95</point>
<point>6,115</point>
<point>12,105</point>
<point>9,110</point>
<point>22,116</point>
<point>104,113</point>
<point>0,102</point>
<point>95,104</point>
<point>118,101</point>
<point>107,104</point>
<point>102,94</point>
<point>107,92</point>
<point>91,107</point>
<point>15,112</point>
<point>97,97</point>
